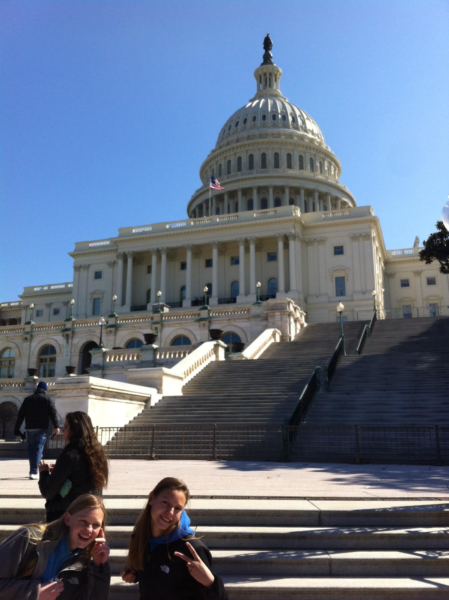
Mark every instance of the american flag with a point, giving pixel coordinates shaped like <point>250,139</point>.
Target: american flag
<point>215,184</point>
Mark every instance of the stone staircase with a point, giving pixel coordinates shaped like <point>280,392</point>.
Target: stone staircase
<point>267,549</point>
<point>246,392</point>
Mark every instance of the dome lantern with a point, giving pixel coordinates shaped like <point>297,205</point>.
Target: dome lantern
<point>268,75</point>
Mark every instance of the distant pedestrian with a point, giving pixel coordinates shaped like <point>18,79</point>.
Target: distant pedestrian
<point>37,410</point>
<point>165,557</point>
<point>81,467</point>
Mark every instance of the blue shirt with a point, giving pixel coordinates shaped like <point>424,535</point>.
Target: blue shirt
<point>56,559</point>
<point>182,530</point>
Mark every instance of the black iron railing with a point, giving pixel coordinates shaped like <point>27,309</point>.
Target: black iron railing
<point>227,300</point>
<point>174,304</point>
<point>366,333</point>
<point>305,398</point>
<point>138,307</point>
<point>333,361</point>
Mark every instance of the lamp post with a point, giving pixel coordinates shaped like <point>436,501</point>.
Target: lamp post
<point>101,322</point>
<point>340,309</point>
<point>70,317</point>
<point>159,294</point>
<point>31,322</point>
<point>205,305</point>
<point>258,286</point>
<point>113,313</point>
<point>373,293</point>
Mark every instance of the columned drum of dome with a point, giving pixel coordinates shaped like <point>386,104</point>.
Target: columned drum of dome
<point>270,146</point>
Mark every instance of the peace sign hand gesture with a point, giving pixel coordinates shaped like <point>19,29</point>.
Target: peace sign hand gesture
<point>197,569</point>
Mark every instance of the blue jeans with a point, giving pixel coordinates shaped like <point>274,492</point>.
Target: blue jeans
<point>36,442</point>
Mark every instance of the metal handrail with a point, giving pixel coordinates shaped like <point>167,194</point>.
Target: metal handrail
<point>366,333</point>
<point>305,399</point>
<point>332,364</point>
<point>373,320</point>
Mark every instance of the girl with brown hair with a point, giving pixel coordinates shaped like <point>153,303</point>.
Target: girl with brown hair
<point>164,557</point>
<point>81,467</point>
<point>66,559</point>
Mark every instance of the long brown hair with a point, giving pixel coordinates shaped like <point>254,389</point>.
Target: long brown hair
<point>81,428</point>
<point>138,544</point>
<point>57,529</point>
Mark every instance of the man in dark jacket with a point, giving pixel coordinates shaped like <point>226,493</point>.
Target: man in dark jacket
<point>36,410</point>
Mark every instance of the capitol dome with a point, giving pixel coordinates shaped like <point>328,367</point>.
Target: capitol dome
<point>270,153</point>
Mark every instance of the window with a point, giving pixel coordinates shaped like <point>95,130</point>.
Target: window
<point>181,340</point>
<point>56,311</point>
<point>276,160</point>
<point>320,165</point>
<point>208,263</point>
<point>235,260</point>
<point>250,204</point>
<point>182,293</point>
<point>183,266</point>
<point>96,306</point>
<point>148,296</point>
<point>272,257</point>
<point>235,289</point>
<point>98,275</point>
<point>338,250</point>
<point>273,117</point>
<point>245,121</point>
<point>220,170</point>
<point>292,118</point>
<point>311,165</point>
<point>7,363</point>
<point>263,160</point>
<point>284,118</point>
<point>340,286</point>
<point>239,163</point>
<point>263,203</point>
<point>405,283</point>
<point>433,310</point>
<point>135,343</point>
<point>47,361</point>
<point>39,313</point>
<point>236,123</point>
<point>229,128</point>
<point>407,311</point>
<point>264,117</point>
<point>291,202</point>
<point>431,281</point>
<point>228,167</point>
<point>289,161</point>
<point>277,202</point>
<point>272,287</point>
<point>149,268</point>
<point>254,118</point>
<point>301,162</point>
<point>229,339</point>
<point>251,162</point>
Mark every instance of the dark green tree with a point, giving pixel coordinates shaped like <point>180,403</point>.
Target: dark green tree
<point>436,247</point>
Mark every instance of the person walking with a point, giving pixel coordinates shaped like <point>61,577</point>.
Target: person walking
<point>37,410</point>
<point>164,556</point>
<point>67,558</point>
<point>81,468</point>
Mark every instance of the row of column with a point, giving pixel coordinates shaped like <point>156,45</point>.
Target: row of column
<point>238,203</point>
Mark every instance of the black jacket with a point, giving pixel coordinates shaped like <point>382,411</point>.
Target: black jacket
<point>71,464</point>
<point>166,577</point>
<point>37,410</point>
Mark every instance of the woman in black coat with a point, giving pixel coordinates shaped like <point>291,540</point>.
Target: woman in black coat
<point>81,467</point>
<point>164,557</point>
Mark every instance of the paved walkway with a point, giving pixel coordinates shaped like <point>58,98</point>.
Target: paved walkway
<point>255,479</point>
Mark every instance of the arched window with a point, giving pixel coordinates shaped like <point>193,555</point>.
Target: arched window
<point>320,166</point>
<point>263,203</point>
<point>263,161</point>
<point>239,163</point>
<point>291,202</point>
<point>250,204</point>
<point>220,170</point>
<point>272,287</point>
<point>182,293</point>
<point>264,117</point>
<point>235,289</point>
<point>289,161</point>
<point>228,167</point>
<point>273,117</point>
<point>47,361</point>
<point>277,202</point>
<point>7,363</point>
<point>148,296</point>
<point>181,340</point>
<point>301,162</point>
<point>276,160</point>
<point>134,343</point>
<point>251,162</point>
<point>230,339</point>
<point>311,165</point>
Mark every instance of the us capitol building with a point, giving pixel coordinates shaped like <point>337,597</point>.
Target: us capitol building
<point>281,245</point>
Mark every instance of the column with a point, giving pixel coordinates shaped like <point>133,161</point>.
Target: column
<point>252,267</point>
<point>256,204</point>
<point>270,197</point>
<point>84,291</point>
<point>310,268</point>
<point>240,201</point>
<point>225,207</point>
<point>322,265</point>
<point>315,200</point>
<point>129,280</point>
<point>188,299</point>
<point>75,289</point>
<point>242,295</point>
<point>338,203</point>
<point>281,277</point>
<point>48,307</point>
<point>214,205</point>
<point>299,283</point>
<point>328,202</point>
<point>292,260</point>
<point>286,195</point>
<point>119,289</point>
<point>163,274</point>
<point>153,276</point>
<point>356,262</point>
<point>302,204</point>
<point>214,297</point>
<point>370,266</point>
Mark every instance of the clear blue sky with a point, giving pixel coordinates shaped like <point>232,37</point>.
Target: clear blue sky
<point>108,108</point>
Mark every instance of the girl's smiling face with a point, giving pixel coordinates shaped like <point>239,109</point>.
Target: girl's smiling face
<point>84,526</point>
<point>166,510</point>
